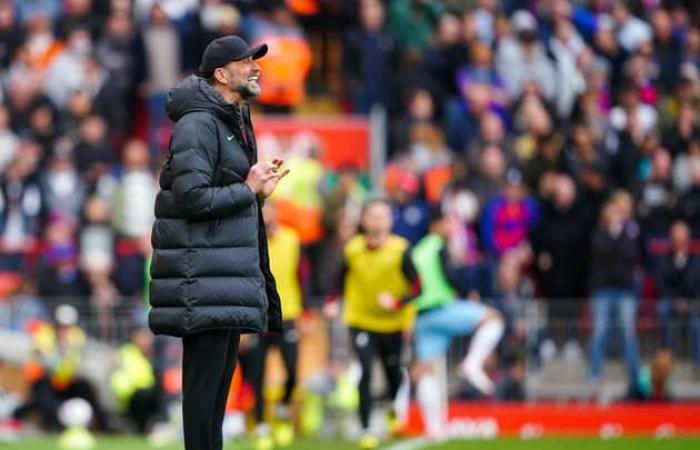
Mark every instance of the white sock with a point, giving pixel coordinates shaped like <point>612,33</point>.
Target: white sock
<point>482,344</point>
<point>432,399</point>
<point>403,397</point>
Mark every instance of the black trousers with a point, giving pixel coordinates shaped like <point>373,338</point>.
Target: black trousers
<point>208,361</point>
<point>253,362</point>
<point>144,404</point>
<point>387,346</point>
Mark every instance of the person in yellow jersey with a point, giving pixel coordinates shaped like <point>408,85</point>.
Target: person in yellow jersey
<point>284,247</point>
<point>378,279</point>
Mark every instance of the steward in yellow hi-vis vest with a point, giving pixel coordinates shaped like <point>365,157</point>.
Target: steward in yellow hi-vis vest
<point>53,372</point>
<point>133,382</point>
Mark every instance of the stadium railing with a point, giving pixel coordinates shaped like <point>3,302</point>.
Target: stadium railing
<point>549,340</point>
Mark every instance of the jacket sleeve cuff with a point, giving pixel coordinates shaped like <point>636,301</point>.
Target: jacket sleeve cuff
<point>241,194</point>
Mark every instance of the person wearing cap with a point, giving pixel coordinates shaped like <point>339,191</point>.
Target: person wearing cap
<point>210,270</point>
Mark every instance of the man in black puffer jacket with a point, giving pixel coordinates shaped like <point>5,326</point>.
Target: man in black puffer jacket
<point>211,278</point>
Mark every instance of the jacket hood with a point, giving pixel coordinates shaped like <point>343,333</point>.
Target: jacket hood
<point>195,94</point>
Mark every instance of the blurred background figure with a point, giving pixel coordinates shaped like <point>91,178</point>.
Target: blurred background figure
<point>133,193</point>
<point>678,286</point>
<point>58,349</point>
<point>443,315</point>
<point>511,388</point>
<point>613,284</point>
<point>521,58</point>
<point>8,139</point>
<point>508,218</point>
<point>22,209</point>
<point>651,383</point>
<point>410,211</point>
<point>378,278</point>
<point>285,262</point>
<point>68,72</point>
<point>287,65</point>
<point>514,293</point>
<point>412,23</point>
<point>63,187</point>
<point>92,152</point>
<point>560,245</point>
<point>163,63</point>
<point>133,381</point>
<point>368,58</point>
<point>60,277</point>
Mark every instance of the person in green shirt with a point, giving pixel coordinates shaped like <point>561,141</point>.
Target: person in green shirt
<point>412,22</point>
<point>441,317</point>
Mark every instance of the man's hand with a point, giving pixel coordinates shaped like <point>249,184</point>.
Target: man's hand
<point>387,301</point>
<point>331,310</point>
<point>269,186</point>
<point>263,177</point>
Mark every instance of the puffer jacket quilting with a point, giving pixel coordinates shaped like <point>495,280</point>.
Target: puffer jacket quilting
<point>210,268</point>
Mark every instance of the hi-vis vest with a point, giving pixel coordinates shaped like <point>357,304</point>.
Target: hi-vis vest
<point>134,373</point>
<point>370,272</point>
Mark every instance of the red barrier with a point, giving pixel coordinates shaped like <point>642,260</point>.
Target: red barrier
<point>341,141</point>
<point>555,419</point>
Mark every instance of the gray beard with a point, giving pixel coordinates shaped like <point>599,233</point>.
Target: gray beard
<point>247,91</point>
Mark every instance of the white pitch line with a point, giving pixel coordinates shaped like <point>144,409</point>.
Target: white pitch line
<point>411,444</point>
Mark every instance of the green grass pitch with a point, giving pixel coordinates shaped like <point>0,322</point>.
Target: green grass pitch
<point>131,443</point>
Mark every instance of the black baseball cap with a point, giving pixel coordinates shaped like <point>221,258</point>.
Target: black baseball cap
<point>223,50</point>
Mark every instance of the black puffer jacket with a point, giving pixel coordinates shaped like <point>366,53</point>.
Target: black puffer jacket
<point>210,267</point>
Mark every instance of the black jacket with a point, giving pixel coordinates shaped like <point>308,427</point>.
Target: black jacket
<point>210,266</point>
<point>678,278</point>
<point>614,258</point>
<point>565,237</point>
<point>689,209</point>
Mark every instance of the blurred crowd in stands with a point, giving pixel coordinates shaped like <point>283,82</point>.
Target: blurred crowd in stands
<point>564,135</point>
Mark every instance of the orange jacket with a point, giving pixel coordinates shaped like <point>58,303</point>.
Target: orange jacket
<point>284,70</point>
